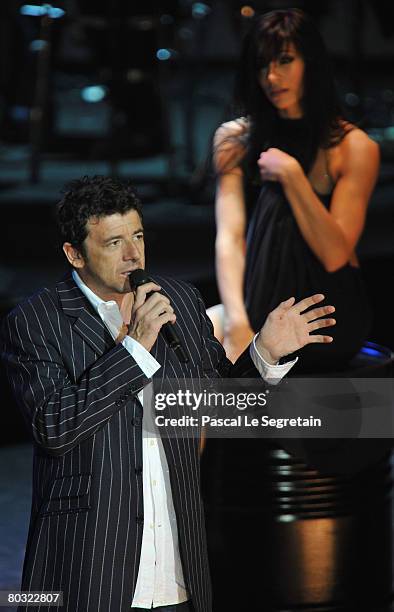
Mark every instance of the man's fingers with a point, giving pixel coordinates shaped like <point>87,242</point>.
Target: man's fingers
<point>160,308</point>
<point>153,308</point>
<point>315,313</point>
<point>287,303</point>
<point>308,302</point>
<point>160,320</point>
<point>321,339</point>
<point>321,323</point>
<point>149,319</point>
<point>167,317</point>
<point>149,302</point>
<point>141,293</point>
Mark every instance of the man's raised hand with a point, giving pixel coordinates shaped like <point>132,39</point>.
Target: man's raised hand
<point>288,327</point>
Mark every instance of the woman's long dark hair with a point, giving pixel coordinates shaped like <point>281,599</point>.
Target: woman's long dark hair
<point>268,36</point>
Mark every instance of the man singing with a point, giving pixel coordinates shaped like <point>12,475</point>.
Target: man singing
<point>117,520</point>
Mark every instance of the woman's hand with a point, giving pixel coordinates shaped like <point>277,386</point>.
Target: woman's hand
<point>275,165</point>
<point>236,339</point>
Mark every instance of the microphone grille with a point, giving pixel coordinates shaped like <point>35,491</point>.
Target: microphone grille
<point>137,278</point>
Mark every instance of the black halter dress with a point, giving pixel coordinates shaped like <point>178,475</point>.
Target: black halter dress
<point>279,264</point>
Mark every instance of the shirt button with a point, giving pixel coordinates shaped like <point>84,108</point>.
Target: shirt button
<point>152,442</point>
<point>151,525</point>
<point>154,483</point>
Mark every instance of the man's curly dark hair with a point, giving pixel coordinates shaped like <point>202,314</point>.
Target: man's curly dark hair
<point>87,197</point>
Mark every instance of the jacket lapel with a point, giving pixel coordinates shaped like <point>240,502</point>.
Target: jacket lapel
<point>87,322</point>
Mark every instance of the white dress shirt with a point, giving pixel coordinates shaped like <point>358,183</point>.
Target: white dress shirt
<point>160,580</point>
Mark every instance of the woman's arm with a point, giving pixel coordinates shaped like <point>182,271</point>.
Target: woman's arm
<point>332,235</point>
<point>230,241</point>
<point>230,246</point>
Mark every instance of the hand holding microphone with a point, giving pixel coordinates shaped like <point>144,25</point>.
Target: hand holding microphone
<point>151,313</point>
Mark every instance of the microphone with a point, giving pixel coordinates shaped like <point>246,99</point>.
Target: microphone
<point>139,277</point>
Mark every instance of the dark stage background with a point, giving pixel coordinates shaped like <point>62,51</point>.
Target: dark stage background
<point>136,90</point>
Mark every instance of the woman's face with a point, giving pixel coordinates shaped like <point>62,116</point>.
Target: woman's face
<point>282,82</point>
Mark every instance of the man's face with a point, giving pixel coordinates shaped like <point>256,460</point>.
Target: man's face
<point>114,247</point>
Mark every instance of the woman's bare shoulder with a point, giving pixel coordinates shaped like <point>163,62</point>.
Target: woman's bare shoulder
<point>356,140</point>
<point>357,153</point>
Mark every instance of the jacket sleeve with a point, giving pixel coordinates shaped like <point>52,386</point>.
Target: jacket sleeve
<point>61,413</point>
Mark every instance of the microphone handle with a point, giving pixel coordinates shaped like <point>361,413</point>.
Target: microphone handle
<point>139,277</point>
<point>174,343</point>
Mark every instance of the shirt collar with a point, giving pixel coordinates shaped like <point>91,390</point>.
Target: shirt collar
<point>94,299</point>
<point>108,311</point>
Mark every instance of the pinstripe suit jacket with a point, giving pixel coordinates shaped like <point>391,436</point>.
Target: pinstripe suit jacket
<point>77,390</point>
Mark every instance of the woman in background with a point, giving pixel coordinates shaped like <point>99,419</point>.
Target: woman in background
<point>294,172</point>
